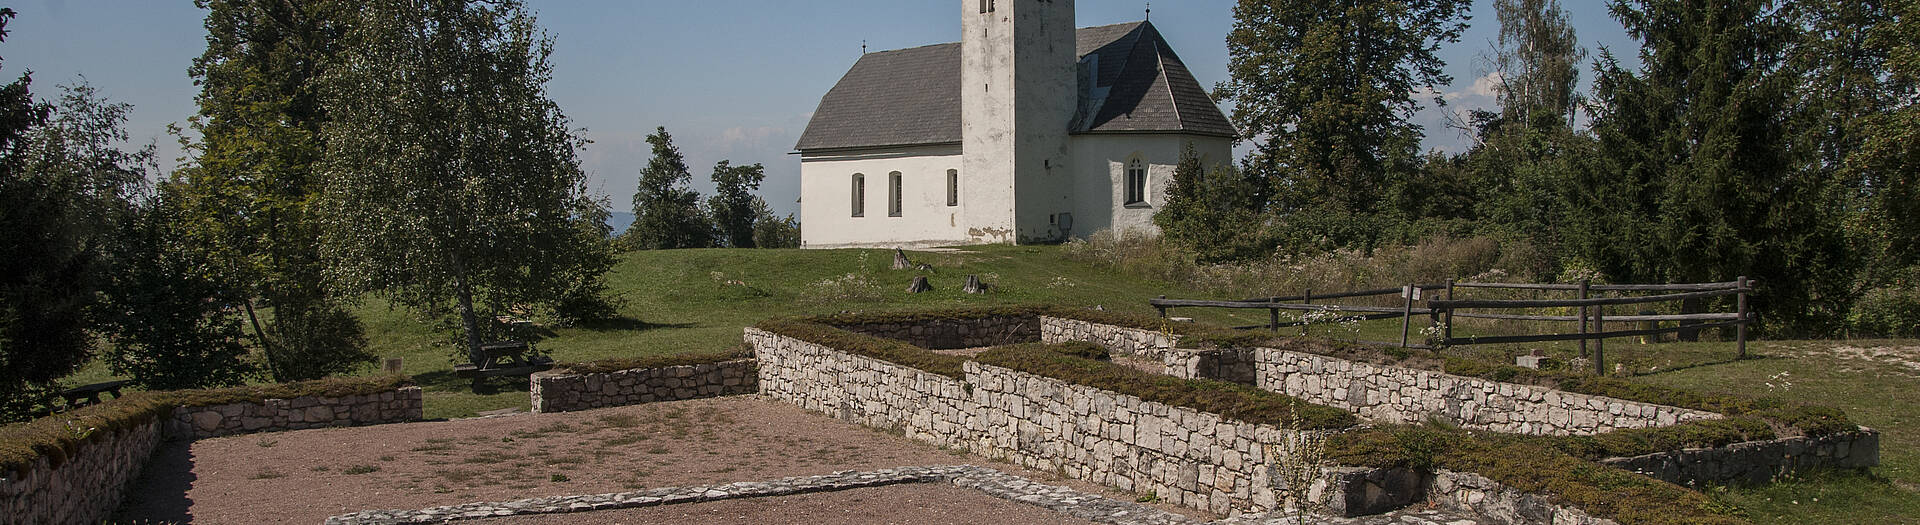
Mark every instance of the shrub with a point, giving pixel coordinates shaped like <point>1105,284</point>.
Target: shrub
<point>1886,312</point>
<point>1229,400</point>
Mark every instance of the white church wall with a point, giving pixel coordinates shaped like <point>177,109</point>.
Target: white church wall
<point>826,196</point>
<point>1099,167</point>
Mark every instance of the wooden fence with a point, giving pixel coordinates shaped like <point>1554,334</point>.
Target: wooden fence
<point>1442,311</point>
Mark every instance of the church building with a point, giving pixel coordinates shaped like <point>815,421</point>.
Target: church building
<point>1027,131</point>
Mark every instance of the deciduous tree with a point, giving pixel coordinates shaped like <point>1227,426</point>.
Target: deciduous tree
<point>1324,90</point>
<point>732,203</point>
<point>450,182</point>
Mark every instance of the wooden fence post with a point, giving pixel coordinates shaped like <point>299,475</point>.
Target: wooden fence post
<point>1406,313</point>
<point>1742,306</point>
<point>1303,324</point>
<point>1599,343</point>
<point>1447,328</point>
<point>1584,313</point>
<point>1273,320</point>
<point>1162,309</point>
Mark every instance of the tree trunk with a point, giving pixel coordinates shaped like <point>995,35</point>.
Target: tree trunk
<point>463,290</point>
<point>919,285</point>
<point>900,261</point>
<point>266,347</point>
<point>974,285</point>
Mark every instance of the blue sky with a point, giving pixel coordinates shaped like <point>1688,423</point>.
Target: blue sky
<point>730,79</point>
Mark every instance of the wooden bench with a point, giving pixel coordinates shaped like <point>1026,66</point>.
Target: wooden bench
<point>90,394</point>
<point>505,358</point>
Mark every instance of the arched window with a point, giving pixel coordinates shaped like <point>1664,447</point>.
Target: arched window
<point>859,195</point>
<point>953,187</point>
<point>1136,181</point>
<point>893,194</point>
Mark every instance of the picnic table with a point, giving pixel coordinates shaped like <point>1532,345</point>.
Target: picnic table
<point>90,394</point>
<point>505,358</point>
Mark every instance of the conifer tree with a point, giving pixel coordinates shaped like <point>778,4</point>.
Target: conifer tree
<point>666,213</point>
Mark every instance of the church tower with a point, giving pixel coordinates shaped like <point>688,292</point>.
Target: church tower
<point>1019,92</point>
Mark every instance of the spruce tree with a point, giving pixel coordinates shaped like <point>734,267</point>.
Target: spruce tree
<point>666,213</point>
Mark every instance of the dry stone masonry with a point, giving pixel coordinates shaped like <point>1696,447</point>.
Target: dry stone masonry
<point>91,483</point>
<point>275,415</point>
<point>1225,364</point>
<point>943,334</point>
<point>1403,395</point>
<point>1181,455</point>
<point>87,486</point>
<point>1494,502</point>
<point>1757,462</point>
<point>563,390</point>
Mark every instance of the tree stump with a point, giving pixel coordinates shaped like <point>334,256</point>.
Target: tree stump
<point>974,285</point>
<point>900,261</point>
<point>919,285</point>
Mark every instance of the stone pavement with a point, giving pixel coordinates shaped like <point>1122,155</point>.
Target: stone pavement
<point>993,482</point>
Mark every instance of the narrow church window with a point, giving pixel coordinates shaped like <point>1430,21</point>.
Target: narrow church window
<point>983,7</point>
<point>893,194</point>
<point>1136,182</point>
<point>953,187</point>
<point>859,195</point>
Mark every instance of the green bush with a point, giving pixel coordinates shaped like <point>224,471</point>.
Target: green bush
<point>1886,312</point>
<point>58,436</point>
<point>1230,400</point>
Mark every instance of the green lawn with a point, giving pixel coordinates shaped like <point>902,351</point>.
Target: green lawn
<point>699,300</point>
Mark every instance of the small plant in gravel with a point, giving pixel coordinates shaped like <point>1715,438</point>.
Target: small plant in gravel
<point>266,443</point>
<point>320,468</point>
<point>360,469</point>
<point>558,478</point>
<point>267,473</point>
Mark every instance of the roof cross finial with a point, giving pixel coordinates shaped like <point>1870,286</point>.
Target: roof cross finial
<point>863,46</point>
<point>1149,11</point>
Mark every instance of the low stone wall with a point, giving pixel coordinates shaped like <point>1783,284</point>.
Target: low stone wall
<point>946,334</point>
<point>928,407</point>
<point>1494,502</point>
<point>561,390</point>
<point>1181,455</point>
<point>90,484</point>
<point>1119,340</point>
<point>1402,395</point>
<point>1757,462</point>
<point>87,487</point>
<point>275,415</point>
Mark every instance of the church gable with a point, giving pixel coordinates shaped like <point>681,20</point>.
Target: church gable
<point>912,96</point>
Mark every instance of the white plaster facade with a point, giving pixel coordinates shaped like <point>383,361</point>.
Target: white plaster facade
<point>1024,174</point>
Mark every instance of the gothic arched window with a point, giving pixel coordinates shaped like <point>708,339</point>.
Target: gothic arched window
<point>1136,181</point>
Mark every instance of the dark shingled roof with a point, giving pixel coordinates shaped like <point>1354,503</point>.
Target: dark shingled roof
<point>912,96</point>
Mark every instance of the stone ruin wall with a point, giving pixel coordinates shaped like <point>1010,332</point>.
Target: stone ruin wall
<point>1757,462</point>
<point>92,482</point>
<point>88,486</point>
<point>1382,393</point>
<point>276,415</point>
<point>947,334</point>
<point>561,390</point>
<point>1181,455</point>
<point>1403,395</point>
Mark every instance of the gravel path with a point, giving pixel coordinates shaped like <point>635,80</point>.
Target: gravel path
<point>306,476</point>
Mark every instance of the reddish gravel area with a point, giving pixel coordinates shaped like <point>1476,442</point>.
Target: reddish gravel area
<point>917,503</point>
<point>306,476</point>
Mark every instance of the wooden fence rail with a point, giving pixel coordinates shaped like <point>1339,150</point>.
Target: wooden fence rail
<point>1443,311</point>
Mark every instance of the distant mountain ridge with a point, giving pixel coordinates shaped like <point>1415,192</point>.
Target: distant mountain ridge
<point>619,221</point>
